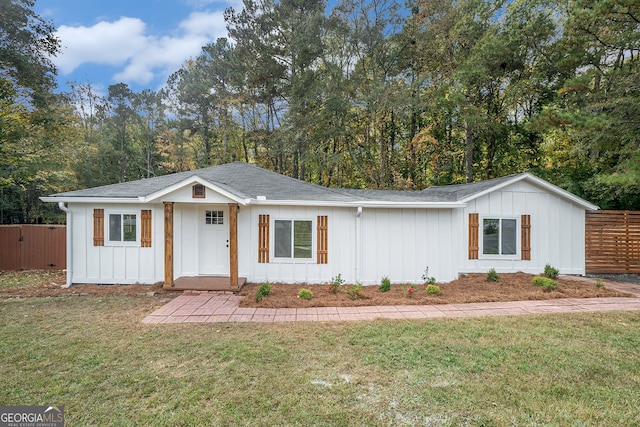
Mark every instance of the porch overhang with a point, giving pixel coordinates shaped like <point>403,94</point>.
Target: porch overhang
<point>160,195</point>
<point>169,281</point>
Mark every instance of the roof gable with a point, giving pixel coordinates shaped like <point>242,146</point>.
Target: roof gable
<point>483,188</point>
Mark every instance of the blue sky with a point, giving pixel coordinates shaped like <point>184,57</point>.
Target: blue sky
<point>138,42</point>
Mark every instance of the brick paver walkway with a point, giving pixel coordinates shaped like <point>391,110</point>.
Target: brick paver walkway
<point>210,308</point>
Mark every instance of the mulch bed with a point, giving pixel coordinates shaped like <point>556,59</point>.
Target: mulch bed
<point>467,289</point>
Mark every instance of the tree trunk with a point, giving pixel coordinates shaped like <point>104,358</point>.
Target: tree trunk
<point>469,151</point>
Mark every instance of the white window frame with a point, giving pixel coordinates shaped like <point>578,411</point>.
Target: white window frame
<point>215,219</point>
<point>481,254</point>
<point>276,259</point>
<point>107,237</point>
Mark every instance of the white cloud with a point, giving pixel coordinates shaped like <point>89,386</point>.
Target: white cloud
<point>125,43</point>
<point>108,43</point>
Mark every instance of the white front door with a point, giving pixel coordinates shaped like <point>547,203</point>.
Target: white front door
<point>214,240</point>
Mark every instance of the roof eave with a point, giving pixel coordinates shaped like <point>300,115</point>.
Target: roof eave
<point>538,181</point>
<point>361,203</point>
<point>71,199</point>
<point>158,195</point>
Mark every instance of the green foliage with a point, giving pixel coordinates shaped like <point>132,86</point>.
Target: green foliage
<point>263,291</point>
<point>26,46</point>
<point>385,284</point>
<point>305,294</point>
<point>364,97</point>
<point>335,284</point>
<point>599,283</point>
<point>428,280</point>
<point>433,290</point>
<point>492,276</point>
<point>550,272</point>
<point>355,291</point>
<point>545,283</point>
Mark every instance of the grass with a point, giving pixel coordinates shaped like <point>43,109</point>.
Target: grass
<point>93,355</point>
<point>28,279</point>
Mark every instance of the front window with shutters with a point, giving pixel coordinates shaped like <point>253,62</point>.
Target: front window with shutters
<point>123,228</point>
<point>293,239</point>
<point>499,236</point>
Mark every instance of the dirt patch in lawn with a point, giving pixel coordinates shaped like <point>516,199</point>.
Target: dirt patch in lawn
<point>467,289</point>
<point>49,284</point>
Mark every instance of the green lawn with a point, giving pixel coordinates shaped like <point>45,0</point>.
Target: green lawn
<point>92,355</point>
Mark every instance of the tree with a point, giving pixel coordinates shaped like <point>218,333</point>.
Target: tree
<point>595,126</point>
<point>280,45</point>
<point>32,120</point>
<point>26,44</point>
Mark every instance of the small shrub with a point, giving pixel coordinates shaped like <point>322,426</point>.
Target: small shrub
<point>599,283</point>
<point>385,284</point>
<point>305,294</point>
<point>550,272</point>
<point>263,291</point>
<point>355,291</point>
<point>545,283</point>
<point>427,279</point>
<point>433,290</point>
<point>492,276</point>
<point>335,283</point>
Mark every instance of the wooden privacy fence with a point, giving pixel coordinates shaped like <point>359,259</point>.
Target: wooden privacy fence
<point>31,247</point>
<point>612,241</point>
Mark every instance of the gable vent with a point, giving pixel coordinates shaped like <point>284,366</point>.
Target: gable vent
<point>198,191</point>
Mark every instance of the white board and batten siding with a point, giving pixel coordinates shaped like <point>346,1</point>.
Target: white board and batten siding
<point>557,230</point>
<point>397,243</point>
<point>341,245</point>
<point>121,264</point>
<point>401,243</point>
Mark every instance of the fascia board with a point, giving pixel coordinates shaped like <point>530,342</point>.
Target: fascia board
<point>93,200</point>
<point>190,181</point>
<point>364,204</point>
<point>541,183</point>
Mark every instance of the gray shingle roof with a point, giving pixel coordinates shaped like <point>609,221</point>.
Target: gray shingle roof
<point>241,179</point>
<point>249,181</point>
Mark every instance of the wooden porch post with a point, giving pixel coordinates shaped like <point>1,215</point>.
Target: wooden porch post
<point>168,244</point>
<point>233,245</point>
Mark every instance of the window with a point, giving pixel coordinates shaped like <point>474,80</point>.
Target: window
<point>122,228</point>
<point>214,217</point>
<point>293,239</point>
<point>499,236</point>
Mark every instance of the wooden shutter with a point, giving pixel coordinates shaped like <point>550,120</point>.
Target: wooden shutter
<point>263,238</point>
<point>98,227</point>
<point>323,239</point>
<point>473,236</point>
<point>525,242</point>
<point>145,230</point>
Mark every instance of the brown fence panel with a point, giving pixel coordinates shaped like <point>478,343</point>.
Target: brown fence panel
<point>10,247</point>
<point>612,241</point>
<point>43,247</point>
<point>33,247</point>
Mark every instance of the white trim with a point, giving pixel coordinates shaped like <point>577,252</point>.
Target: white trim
<point>292,260</point>
<point>481,254</point>
<point>107,226</point>
<point>92,200</point>
<point>363,204</point>
<point>187,182</point>
<point>538,181</point>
